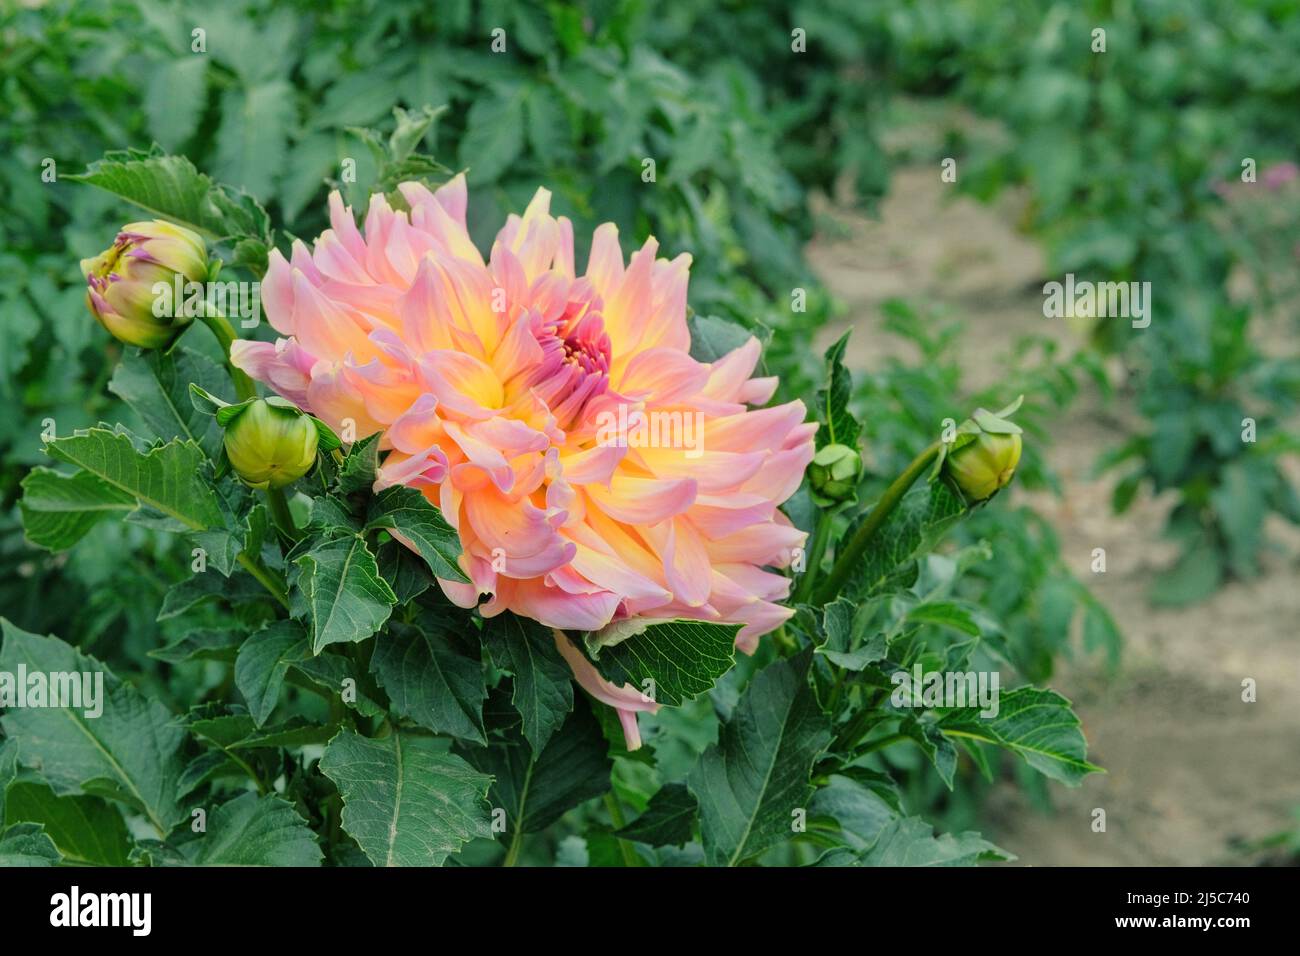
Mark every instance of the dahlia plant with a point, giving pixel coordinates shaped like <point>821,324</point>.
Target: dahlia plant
<point>509,559</point>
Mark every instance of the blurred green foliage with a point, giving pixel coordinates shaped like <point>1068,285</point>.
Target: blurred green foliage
<point>1130,153</point>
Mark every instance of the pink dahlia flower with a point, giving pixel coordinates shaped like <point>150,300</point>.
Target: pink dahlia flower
<point>515,394</point>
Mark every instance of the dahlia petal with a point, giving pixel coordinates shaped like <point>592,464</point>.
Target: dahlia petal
<point>418,427</point>
<point>592,465</point>
<point>686,561</point>
<point>556,608</point>
<point>728,375</point>
<point>643,501</point>
<point>462,383</point>
<point>627,700</point>
<point>605,263</point>
<point>323,328</point>
<point>277,293</point>
<point>668,375</point>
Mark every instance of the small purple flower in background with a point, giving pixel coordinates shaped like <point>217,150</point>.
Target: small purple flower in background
<point>1279,174</point>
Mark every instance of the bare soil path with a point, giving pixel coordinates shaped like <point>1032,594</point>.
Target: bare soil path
<point>1193,771</point>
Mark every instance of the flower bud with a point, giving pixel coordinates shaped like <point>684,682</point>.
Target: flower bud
<point>984,465</point>
<point>270,445</point>
<point>121,282</point>
<point>833,474</point>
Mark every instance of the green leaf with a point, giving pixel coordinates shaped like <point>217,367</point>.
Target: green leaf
<point>359,468</point>
<point>1196,574</point>
<point>404,570</point>
<point>255,831</point>
<point>845,626</point>
<point>8,770</point>
<point>494,135</point>
<point>238,528</point>
<point>263,661</point>
<point>668,820</point>
<point>938,749</point>
<point>27,845</point>
<point>205,644</point>
<point>543,684</point>
<point>59,510</point>
<point>549,132</point>
<point>175,97</point>
<point>166,482</point>
<point>346,599</point>
<point>841,428</point>
<point>859,812</point>
<point>171,188</point>
<point>751,781</point>
<point>190,592</point>
<point>405,802</point>
<point>1036,724</point>
<point>431,679</point>
<point>130,753</point>
<point>712,337</point>
<point>332,516</point>
<point>910,841</point>
<point>921,518</point>
<point>329,671</point>
<point>293,733</point>
<point>535,789</point>
<point>86,830</point>
<point>944,614</point>
<point>408,513</point>
<point>252,141</point>
<point>683,658</point>
<point>1100,632</point>
<point>205,767</point>
<point>157,385</point>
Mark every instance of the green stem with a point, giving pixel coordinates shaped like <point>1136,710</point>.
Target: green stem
<point>243,765</point>
<point>837,688</point>
<point>225,333</point>
<point>616,817</point>
<point>882,743</point>
<point>821,536</point>
<point>516,843</point>
<point>849,556</point>
<point>281,514</point>
<point>269,579</point>
<point>785,644</point>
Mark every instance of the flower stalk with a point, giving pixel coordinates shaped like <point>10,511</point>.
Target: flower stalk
<point>851,554</point>
<point>225,333</point>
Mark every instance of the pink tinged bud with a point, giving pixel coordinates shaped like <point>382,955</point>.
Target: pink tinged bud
<point>125,283</point>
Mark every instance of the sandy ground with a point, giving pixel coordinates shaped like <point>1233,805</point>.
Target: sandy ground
<point>1193,771</point>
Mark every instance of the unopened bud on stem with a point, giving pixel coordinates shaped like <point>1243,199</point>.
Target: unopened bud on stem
<point>982,459</point>
<point>120,282</point>
<point>833,474</point>
<point>985,465</point>
<point>270,445</point>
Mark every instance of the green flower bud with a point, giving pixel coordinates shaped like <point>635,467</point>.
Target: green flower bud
<point>984,465</point>
<point>834,473</point>
<point>270,445</point>
<point>121,282</point>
